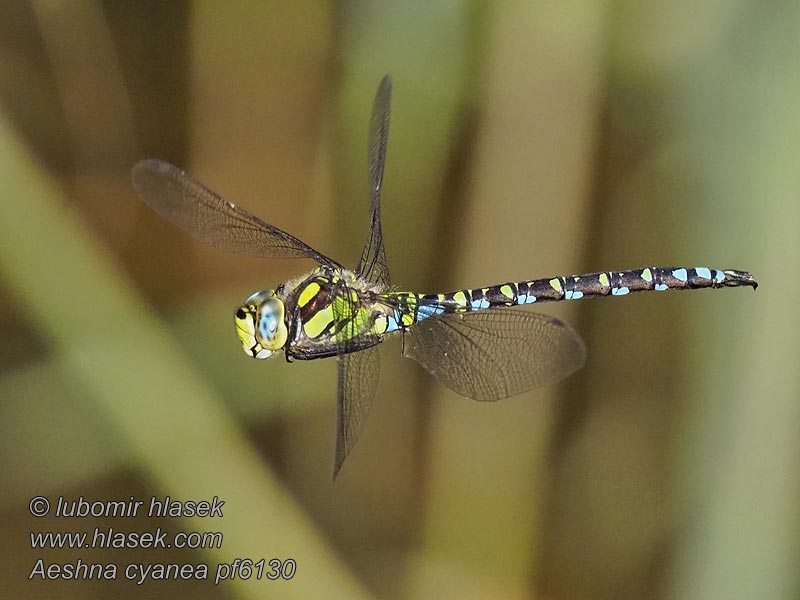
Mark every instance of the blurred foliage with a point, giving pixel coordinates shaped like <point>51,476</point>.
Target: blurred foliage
<point>528,139</point>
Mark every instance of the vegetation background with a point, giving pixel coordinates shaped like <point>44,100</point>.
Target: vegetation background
<point>528,139</point>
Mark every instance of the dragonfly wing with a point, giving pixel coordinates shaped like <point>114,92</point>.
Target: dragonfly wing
<point>372,264</point>
<point>187,203</point>
<point>358,379</point>
<point>358,365</point>
<point>493,354</point>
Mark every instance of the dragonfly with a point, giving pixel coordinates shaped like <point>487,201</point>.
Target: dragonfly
<point>474,341</point>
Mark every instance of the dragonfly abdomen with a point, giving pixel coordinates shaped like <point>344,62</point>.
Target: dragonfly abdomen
<point>621,283</point>
<point>414,307</point>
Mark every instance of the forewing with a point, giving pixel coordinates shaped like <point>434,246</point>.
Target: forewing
<point>494,354</point>
<point>187,203</point>
<point>358,380</point>
<point>372,264</point>
<point>359,368</point>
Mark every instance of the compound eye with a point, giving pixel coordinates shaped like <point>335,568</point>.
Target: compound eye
<point>268,325</point>
<point>271,328</point>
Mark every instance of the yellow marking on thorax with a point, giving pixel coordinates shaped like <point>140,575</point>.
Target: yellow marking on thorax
<point>317,324</point>
<point>361,318</point>
<point>381,324</point>
<point>308,294</point>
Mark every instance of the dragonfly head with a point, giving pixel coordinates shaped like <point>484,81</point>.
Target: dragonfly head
<point>260,324</point>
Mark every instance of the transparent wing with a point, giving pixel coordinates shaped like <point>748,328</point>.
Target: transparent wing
<point>372,264</point>
<point>358,380</point>
<point>359,367</point>
<point>494,354</point>
<point>187,203</point>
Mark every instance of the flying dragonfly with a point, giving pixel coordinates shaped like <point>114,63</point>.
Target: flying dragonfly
<point>471,340</point>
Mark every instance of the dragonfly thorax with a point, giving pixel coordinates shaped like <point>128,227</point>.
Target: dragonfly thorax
<point>260,324</point>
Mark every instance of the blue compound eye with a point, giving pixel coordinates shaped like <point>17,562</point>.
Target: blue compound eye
<point>268,325</point>
<point>272,330</point>
<point>259,297</point>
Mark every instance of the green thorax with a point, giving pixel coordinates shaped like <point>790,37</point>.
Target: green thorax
<point>331,311</point>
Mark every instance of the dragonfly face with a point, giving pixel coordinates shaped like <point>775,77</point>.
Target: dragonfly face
<point>260,324</point>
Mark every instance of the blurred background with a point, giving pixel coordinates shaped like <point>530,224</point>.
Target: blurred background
<point>528,139</point>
